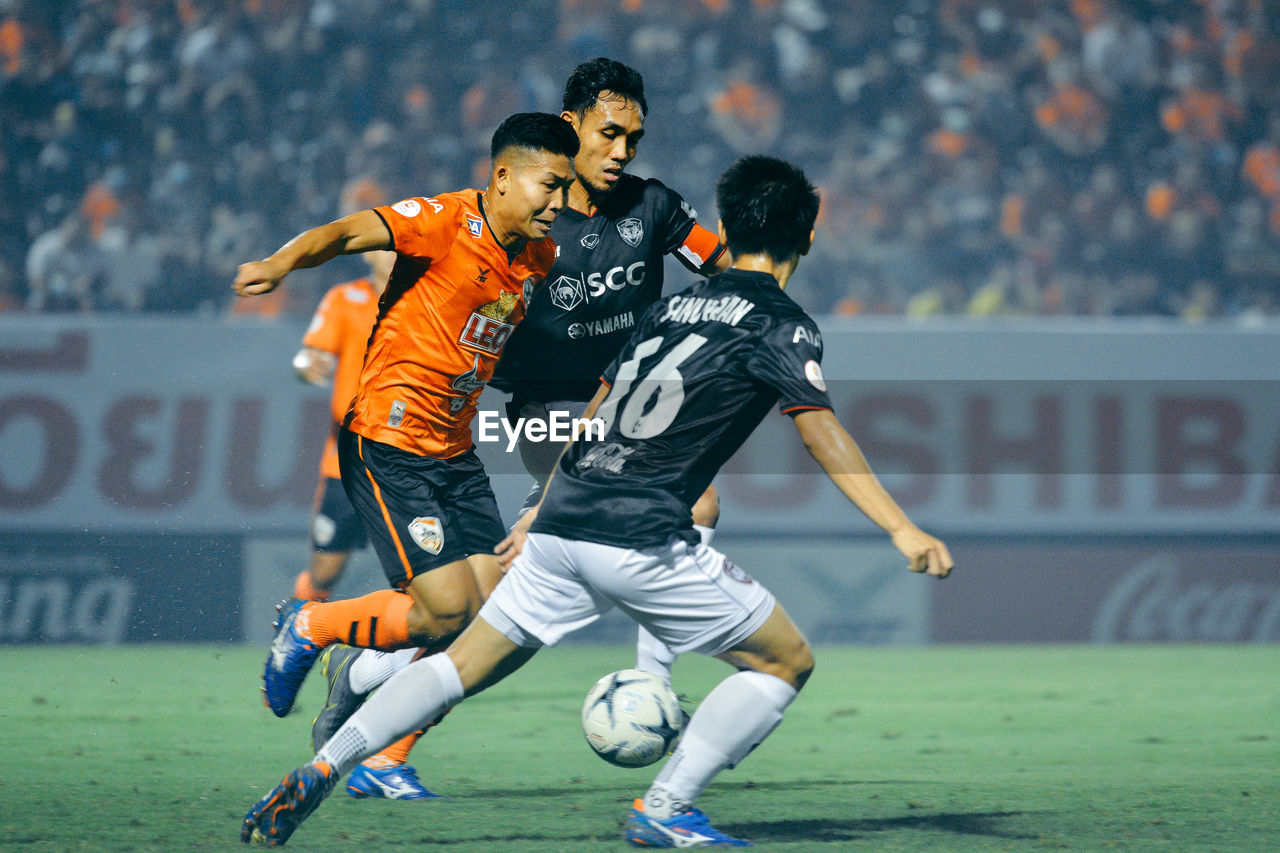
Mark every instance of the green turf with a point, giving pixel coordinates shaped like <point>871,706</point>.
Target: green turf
<point>1089,748</point>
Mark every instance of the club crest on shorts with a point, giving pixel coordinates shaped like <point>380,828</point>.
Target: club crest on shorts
<point>323,529</point>
<point>631,230</point>
<point>428,533</point>
<point>732,571</point>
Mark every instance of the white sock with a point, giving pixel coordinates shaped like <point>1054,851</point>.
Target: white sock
<point>652,655</point>
<point>374,667</point>
<point>409,700</point>
<point>730,722</point>
<point>705,533</point>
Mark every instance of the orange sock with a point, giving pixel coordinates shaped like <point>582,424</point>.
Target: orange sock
<point>303,588</point>
<point>397,753</point>
<point>379,620</point>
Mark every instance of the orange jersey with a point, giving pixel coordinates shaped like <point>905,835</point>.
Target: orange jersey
<point>452,302</point>
<point>341,326</point>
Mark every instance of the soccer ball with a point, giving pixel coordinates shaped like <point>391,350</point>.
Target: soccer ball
<point>631,718</point>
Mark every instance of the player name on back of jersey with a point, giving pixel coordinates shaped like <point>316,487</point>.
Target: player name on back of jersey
<point>702,309</point>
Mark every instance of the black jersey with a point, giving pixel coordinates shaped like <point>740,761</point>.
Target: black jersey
<point>608,272</point>
<point>702,370</point>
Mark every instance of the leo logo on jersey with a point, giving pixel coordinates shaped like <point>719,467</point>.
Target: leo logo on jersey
<point>485,329</point>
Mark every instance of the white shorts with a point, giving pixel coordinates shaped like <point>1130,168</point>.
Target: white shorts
<point>691,597</point>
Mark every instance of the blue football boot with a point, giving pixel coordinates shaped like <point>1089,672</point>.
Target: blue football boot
<point>687,829</point>
<point>293,652</point>
<point>397,782</point>
<point>275,817</point>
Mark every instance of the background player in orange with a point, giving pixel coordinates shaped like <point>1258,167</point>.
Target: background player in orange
<point>466,264</point>
<point>333,350</point>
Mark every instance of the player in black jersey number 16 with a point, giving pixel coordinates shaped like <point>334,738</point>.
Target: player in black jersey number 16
<point>613,529</point>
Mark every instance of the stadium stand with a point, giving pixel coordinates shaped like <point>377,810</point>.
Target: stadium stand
<point>982,157</point>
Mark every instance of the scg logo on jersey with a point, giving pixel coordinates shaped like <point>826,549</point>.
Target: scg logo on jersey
<point>615,279</point>
<point>567,293</point>
<point>485,333</point>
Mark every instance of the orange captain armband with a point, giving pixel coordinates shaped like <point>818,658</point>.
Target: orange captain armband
<point>700,248</point>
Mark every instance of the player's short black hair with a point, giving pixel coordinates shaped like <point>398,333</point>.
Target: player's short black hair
<point>536,131</point>
<point>766,206</point>
<point>602,74</point>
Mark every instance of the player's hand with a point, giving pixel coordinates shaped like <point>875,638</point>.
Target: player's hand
<point>315,365</point>
<point>924,553</point>
<point>508,549</point>
<point>257,277</point>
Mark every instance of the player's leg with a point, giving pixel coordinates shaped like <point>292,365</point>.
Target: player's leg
<point>773,662</point>
<point>652,655</point>
<point>317,580</point>
<point>692,598</point>
<point>423,547</point>
<point>421,692</point>
<point>336,531</point>
<point>539,601</point>
<point>446,599</point>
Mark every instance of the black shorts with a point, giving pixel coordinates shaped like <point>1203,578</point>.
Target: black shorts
<point>335,526</point>
<point>420,512</point>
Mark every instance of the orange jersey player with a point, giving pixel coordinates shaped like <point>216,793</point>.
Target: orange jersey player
<point>465,264</point>
<point>454,297</point>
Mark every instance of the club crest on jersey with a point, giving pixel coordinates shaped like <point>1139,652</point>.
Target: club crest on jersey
<point>632,231</point>
<point>567,293</point>
<point>589,241</point>
<point>486,328</point>
<point>409,207</point>
<point>813,372</point>
<point>475,225</point>
<point>428,533</point>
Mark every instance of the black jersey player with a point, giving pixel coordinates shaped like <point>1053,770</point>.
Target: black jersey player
<point>613,527</point>
<point>612,239</point>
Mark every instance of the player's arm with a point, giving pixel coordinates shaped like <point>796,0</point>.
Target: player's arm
<point>508,549</point>
<point>838,455</point>
<point>702,252</point>
<point>359,232</point>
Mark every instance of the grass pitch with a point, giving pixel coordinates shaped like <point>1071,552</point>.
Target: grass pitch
<point>1087,748</point>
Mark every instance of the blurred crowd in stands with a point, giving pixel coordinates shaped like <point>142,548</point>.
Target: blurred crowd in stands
<point>980,157</point>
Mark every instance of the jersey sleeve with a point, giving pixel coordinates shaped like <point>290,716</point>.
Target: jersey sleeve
<point>325,331</point>
<point>422,228</point>
<point>790,360</point>
<point>693,244</point>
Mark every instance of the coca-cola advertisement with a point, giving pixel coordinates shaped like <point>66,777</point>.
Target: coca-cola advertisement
<point>1163,590</point>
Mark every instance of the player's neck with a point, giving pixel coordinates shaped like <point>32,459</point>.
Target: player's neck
<point>584,199</point>
<point>763,263</point>
<point>493,219</point>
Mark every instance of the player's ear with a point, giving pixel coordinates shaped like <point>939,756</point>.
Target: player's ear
<point>500,178</point>
<point>573,119</point>
<point>808,244</point>
<point>724,238</point>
